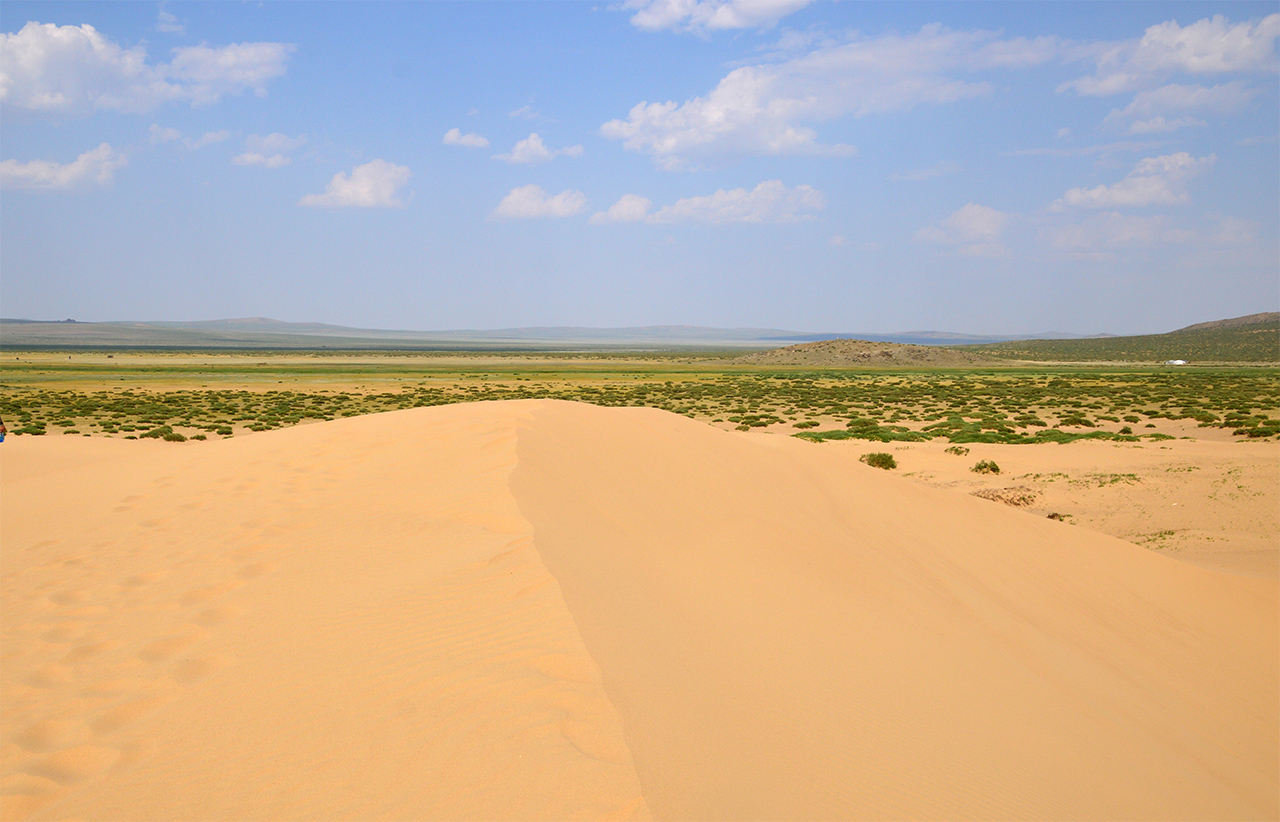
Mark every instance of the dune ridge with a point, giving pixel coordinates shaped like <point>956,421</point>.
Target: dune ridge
<point>540,609</point>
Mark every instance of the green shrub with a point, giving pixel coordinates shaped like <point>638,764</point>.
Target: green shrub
<point>958,450</point>
<point>879,459</point>
<point>1126,430</point>
<point>174,436</point>
<point>985,467</point>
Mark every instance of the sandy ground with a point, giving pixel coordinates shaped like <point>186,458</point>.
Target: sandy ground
<point>545,610</point>
<point>1213,503</point>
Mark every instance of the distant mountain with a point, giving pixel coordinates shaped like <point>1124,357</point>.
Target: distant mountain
<point>1243,339</point>
<point>1262,319</point>
<point>263,332</point>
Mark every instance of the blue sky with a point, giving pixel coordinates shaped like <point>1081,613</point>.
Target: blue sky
<point>970,167</point>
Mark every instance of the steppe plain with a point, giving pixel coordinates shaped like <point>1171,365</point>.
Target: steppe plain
<point>614,586</point>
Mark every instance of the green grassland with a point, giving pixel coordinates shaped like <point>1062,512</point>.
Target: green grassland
<point>183,396</point>
<point>1255,342</point>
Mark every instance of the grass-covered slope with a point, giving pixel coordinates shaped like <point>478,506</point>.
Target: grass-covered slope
<point>1252,339</point>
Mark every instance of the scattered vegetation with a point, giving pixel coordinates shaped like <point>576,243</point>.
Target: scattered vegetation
<point>985,467</point>
<point>1018,496</point>
<point>879,459</point>
<point>1013,406</point>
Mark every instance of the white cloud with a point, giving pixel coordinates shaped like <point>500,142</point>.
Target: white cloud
<point>769,202</point>
<point>74,70</point>
<point>208,138</point>
<point>527,202</point>
<point>253,158</point>
<point>837,240</point>
<point>764,109</point>
<point>1209,46</point>
<point>526,113</point>
<point>1235,231</point>
<point>697,15</point>
<point>533,150</point>
<point>270,151</point>
<point>1146,114</point>
<point>1103,150</point>
<point>372,185</point>
<point>630,208</point>
<point>276,142</point>
<point>159,136</point>
<point>1153,181</point>
<point>168,23</point>
<point>455,137</point>
<point>95,166</point>
<point>973,231</point>
<point>1111,230</point>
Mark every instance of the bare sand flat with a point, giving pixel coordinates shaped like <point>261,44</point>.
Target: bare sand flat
<point>542,609</point>
<point>1214,503</point>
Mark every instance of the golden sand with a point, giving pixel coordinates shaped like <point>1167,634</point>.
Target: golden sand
<point>549,610</point>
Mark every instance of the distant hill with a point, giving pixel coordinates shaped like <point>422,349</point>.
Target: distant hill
<point>1272,317</point>
<point>1251,339</point>
<point>835,353</point>
<point>265,333</point>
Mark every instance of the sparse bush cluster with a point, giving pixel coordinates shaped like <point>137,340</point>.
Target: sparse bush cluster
<point>879,459</point>
<point>985,467</point>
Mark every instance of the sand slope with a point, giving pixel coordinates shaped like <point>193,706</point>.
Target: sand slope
<point>549,610</point>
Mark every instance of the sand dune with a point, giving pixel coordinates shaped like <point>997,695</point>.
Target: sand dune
<point>549,610</point>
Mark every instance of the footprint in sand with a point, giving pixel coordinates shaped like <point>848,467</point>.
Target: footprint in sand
<point>126,713</point>
<point>80,653</point>
<point>216,615</point>
<point>75,764</point>
<point>50,734</point>
<point>50,675</point>
<point>72,597</point>
<point>162,650</point>
<point>190,670</point>
<point>201,595</point>
<point>257,569</point>
<point>138,580</point>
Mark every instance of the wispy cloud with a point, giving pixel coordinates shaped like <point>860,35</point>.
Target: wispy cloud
<point>74,70</point>
<point>701,15</point>
<point>533,150</point>
<point>971,231</point>
<point>455,137</point>
<point>1153,181</point>
<point>95,166</point>
<point>531,201</point>
<point>372,185</point>
<point>767,108</point>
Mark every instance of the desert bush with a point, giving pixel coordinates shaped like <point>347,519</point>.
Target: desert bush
<point>174,436</point>
<point>958,450</point>
<point>985,467</point>
<point>879,459</point>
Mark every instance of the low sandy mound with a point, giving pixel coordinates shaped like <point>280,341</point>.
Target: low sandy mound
<point>549,610</point>
<point>861,352</point>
